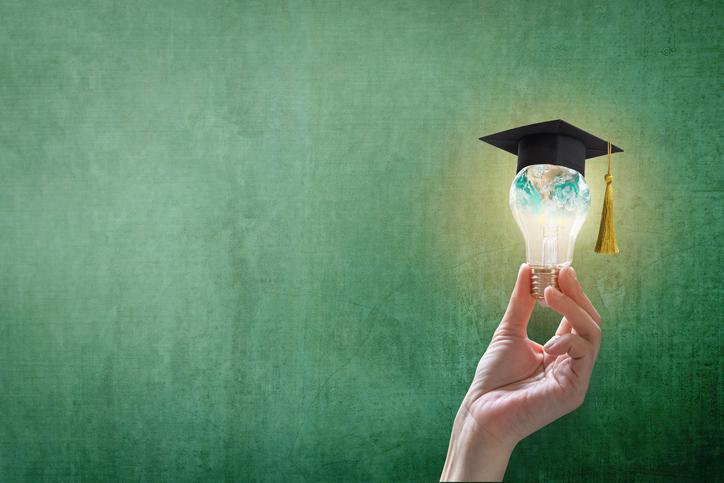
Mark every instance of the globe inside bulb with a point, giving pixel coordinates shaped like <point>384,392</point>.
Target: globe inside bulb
<point>550,204</point>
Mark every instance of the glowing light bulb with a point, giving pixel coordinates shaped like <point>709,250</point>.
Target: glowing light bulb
<point>549,197</point>
<point>550,204</point>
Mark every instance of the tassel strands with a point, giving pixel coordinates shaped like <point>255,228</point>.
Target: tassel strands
<point>606,243</point>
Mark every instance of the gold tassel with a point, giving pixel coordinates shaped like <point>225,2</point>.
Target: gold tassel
<point>606,242</point>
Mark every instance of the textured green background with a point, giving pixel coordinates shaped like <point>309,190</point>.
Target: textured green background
<point>260,240</point>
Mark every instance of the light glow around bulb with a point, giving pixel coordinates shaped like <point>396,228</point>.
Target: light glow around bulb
<point>550,204</point>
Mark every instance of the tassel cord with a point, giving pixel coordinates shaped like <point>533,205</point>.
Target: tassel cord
<point>606,243</point>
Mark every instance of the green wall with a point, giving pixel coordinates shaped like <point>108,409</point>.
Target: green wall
<point>261,241</point>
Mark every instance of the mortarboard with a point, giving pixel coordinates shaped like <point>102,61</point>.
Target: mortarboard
<point>551,142</point>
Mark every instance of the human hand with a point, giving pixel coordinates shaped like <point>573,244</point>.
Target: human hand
<point>519,385</point>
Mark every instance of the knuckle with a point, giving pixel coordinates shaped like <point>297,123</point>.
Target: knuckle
<point>598,332</point>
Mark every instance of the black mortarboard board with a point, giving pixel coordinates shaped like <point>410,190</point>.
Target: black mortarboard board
<point>552,142</point>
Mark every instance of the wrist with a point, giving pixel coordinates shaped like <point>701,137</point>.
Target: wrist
<point>472,456</point>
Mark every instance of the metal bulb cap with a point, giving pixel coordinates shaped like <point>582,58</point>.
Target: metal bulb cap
<point>542,277</point>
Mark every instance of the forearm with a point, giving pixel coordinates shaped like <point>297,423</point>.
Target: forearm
<point>470,457</point>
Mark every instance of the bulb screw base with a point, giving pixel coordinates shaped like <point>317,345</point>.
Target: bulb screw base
<point>542,277</point>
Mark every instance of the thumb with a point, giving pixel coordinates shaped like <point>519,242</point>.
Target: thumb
<point>515,320</point>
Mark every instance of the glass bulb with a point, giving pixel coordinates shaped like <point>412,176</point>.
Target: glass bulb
<point>550,204</point>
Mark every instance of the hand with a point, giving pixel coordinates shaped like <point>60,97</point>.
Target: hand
<point>519,385</point>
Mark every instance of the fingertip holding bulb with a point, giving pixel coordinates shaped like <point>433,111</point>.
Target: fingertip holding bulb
<point>543,303</point>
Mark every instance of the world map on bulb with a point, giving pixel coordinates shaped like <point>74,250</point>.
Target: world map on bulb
<point>544,187</point>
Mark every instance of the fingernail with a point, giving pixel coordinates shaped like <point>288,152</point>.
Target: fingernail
<point>574,273</point>
<point>551,342</point>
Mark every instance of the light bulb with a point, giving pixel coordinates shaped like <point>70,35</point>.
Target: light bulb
<point>550,204</point>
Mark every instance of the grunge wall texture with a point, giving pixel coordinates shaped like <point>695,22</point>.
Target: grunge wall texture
<point>261,241</point>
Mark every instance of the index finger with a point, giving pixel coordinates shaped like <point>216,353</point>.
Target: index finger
<point>576,315</point>
<point>568,282</point>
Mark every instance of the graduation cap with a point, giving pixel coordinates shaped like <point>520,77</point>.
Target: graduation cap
<point>560,143</point>
<point>551,142</point>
